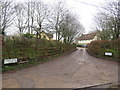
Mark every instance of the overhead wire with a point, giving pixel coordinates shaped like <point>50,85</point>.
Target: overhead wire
<point>91,4</point>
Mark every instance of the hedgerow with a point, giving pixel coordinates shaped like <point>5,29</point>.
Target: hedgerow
<point>33,48</point>
<point>98,48</point>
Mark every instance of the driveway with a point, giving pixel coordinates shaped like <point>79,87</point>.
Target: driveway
<point>74,70</point>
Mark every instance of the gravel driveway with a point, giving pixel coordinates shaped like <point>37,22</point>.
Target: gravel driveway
<point>74,70</point>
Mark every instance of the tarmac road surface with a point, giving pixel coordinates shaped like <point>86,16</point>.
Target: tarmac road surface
<point>75,70</point>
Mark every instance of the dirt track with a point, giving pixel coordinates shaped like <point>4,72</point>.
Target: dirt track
<point>77,69</point>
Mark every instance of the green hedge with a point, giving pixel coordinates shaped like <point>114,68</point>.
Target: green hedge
<point>31,51</point>
<point>98,48</point>
<point>33,48</point>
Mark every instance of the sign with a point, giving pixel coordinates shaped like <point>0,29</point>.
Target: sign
<point>10,61</point>
<point>108,53</point>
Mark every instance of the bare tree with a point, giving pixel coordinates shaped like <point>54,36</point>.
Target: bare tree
<point>65,25</point>
<point>40,17</point>
<point>104,26</point>
<point>29,8</point>
<point>5,15</point>
<point>57,16</point>
<point>71,28</point>
<point>20,20</point>
<point>28,16</point>
<point>32,16</point>
<point>108,21</point>
<point>114,10</point>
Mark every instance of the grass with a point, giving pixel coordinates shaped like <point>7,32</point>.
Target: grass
<point>115,53</point>
<point>34,51</point>
<point>34,58</point>
<point>31,62</point>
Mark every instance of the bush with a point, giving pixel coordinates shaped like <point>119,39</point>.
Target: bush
<point>98,48</point>
<point>28,35</point>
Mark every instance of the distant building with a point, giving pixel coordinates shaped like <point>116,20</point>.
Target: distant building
<point>54,37</point>
<point>87,38</point>
<point>45,35</point>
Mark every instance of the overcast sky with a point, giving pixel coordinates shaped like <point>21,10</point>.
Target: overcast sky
<point>82,8</point>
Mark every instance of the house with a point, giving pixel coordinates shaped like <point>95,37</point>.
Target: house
<point>45,35</point>
<point>87,38</point>
<point>54,37</point>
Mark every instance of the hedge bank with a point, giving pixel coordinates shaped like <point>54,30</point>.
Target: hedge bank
<point>98,48</point>
<point>32,50</point>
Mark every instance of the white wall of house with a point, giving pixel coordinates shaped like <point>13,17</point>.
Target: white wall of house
<point>95,38</point>
<point>54,37</point>
<point>85,42</point>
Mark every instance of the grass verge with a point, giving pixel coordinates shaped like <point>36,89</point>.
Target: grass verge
<point>103,57</point>
<point>32,62</point>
